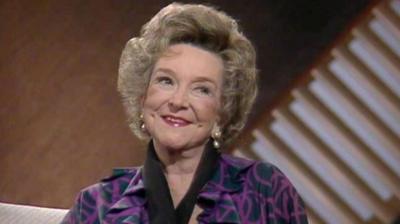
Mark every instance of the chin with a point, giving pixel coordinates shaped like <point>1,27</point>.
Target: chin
<point>178,144</point>
<point>172,144</point>
<point>179,140</point>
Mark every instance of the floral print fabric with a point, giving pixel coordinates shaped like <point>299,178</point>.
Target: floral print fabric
<point>241,191</point>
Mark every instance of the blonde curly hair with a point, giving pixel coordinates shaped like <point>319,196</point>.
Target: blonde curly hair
<point>204,27</point>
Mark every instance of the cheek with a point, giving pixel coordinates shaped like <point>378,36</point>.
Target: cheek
<point>208,110</point>
<point>153,98</point>
<point>150,103</point>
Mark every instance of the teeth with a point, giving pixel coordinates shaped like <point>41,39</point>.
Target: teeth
<point>174,120</point>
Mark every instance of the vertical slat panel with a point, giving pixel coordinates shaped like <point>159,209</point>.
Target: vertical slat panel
<point>385,35</point>
<point>246,151</point>
<point>376,47</point>
<point>347,146</point>
<point>379,70</point>
<point>338,136</point>
<point>310,149</point>
<point>313,218</point>
<point>326,205</point>
<point>359,119</point>
<point>387,16</point>
<point>241,153</point>
<point>395,6</point>
<point>367,88</point>
<point>374,43</point>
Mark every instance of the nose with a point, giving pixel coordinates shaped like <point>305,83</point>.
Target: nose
<point>178,100</point>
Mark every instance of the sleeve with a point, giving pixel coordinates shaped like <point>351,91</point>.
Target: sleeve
<point>73,215</point>
<point>85,209</point>
<point>288,205</point>
<point>92,202</point>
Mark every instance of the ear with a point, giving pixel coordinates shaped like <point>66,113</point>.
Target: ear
<point>216,127</point>
<point>219,121</point>
<point>216,132</point>
<point>142,100</point>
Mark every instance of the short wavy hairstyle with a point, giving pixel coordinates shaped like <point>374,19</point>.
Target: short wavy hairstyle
<point>203,27</point>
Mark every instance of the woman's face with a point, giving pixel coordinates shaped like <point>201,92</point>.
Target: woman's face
<point>182,102</point>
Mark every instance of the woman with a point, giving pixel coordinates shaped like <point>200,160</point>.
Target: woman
<point>188,82</point>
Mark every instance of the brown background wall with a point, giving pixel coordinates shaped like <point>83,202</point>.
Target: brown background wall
<point>62,126</point>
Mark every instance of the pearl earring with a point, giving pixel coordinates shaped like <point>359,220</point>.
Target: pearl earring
<point>142,125</point>
<point>216,144</point>
<point>216,135</point>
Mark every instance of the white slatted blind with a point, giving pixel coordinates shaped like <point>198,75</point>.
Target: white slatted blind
<point>338,136</point>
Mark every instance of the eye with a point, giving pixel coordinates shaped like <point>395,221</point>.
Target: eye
<point>203,90</point>
<point>164,81</point>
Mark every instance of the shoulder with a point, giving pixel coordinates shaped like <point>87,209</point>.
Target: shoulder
<point>98,198</point>
<point>250,174</point>
<point>111,188</point>
<point>121,173</point>
<point>264,176</point>
<point>255,170</point>
<point>116,183</point>
<point>264,184</point>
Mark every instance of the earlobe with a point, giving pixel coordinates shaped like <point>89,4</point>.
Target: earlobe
<point>216,132</point>
<point>142,100</point>
<point>142,124</point>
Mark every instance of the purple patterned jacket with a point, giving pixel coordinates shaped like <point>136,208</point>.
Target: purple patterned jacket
<point>241,191</point>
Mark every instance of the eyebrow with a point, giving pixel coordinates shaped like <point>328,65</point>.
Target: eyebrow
<point>167,70</point>
<point>198,79</point>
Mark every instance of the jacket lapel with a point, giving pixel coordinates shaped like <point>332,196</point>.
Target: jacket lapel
<point>129,209</point>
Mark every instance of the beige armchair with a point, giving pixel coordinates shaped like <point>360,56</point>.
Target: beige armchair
<point>23,214</point>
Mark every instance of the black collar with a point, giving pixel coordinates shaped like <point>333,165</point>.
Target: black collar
<point>160,205</point>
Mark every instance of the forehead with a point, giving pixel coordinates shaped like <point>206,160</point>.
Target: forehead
<point>192,61</point>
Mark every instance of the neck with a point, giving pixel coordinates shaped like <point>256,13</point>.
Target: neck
<point>179,162</point>
<point>179,207</point>
<point>179,167</point>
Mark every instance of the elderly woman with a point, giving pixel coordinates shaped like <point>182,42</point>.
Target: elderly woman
<point>188,82</point>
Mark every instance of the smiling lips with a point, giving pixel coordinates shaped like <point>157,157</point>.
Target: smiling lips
<point>175,121</point>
